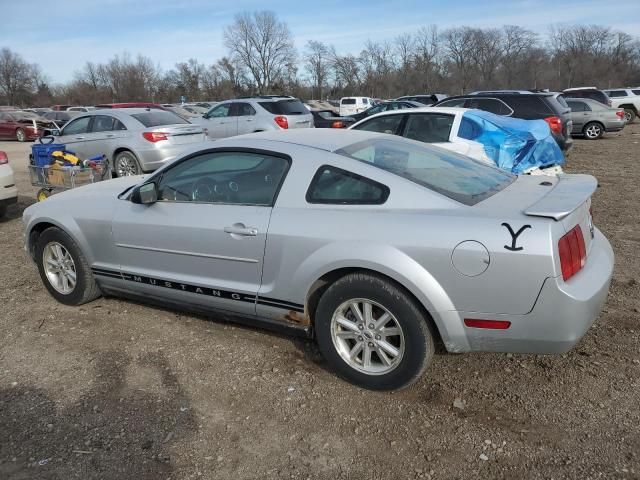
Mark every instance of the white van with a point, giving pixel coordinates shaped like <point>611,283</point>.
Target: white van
<point>353,105</point>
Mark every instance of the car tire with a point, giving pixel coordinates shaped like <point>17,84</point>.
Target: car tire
<point>20,135</point>
<point>629,115</point>
<point>413,346</point>
<point>593,131</point>
<point>55,246</point>
<point>126,164</point>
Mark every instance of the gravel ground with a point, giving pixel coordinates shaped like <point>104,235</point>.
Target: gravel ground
<point>119,390</point>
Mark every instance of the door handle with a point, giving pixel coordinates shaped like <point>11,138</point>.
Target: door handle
<point>249,119</point>
<point>240,229</point>
<point>79,138</point>
<point>110,135</point>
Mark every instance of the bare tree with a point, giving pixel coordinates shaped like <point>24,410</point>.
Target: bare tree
<point>317,62</point>
<point>517,44</point>
<point>16,77</point>
<point>263,45</point>
<point>459,44</point>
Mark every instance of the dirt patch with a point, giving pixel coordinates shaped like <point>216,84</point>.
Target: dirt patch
<point>181,396</point>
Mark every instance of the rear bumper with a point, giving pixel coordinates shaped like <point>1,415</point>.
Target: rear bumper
<point>562,314</point>
<point>153,158</point>
<point>614,125</point>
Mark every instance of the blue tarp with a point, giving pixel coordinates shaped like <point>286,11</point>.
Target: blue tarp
<point>513,144</point>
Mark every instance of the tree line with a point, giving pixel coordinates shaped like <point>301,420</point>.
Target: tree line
<point>262,59</point>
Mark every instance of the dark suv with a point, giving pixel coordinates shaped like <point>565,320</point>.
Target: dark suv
<point>588,92</point>
<point>550,107</point>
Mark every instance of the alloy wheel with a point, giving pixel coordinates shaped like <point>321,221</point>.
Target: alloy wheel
<point>367,336</point>
<point>593,131</point>
<point>20,135</point>
<point>59,267</point>
<point>126,165</point>
<point>628,116</point>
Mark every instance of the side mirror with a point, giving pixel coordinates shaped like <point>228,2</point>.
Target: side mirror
<point>54,132</point>
<point>146,194</point>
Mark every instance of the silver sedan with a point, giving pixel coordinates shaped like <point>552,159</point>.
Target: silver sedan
<point>135,140</point>
<point>374,245</point>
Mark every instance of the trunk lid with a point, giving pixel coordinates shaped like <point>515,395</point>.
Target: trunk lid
<point>181,134</point>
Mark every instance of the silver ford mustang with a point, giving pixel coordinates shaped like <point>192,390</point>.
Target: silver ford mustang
<point>375,245</point>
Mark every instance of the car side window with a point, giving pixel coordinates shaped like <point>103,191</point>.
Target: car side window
<point>429,127</point>
<point>102,123</point>
<point>118,125</point>
<point>79,125</point>
<point>489,105</point>
<point>332,185</point>
<point>385,124</point>
<point>576,106</point>
<point>220,111</point>
<point>236,178</point>
<point>617,93</point>
<point>242,110</point>
<point>456,102</point>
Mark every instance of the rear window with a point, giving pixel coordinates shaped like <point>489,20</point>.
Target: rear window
<point>531,107</point>
<point>285,107</point>
<point>455,176</point>
<point>157,118</point>
<point>636,92</point>
<point>348,101</point>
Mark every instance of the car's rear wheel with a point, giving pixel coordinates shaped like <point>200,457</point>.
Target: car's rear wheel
<point>126,164</point>
<point>64,269</point>
<point>629,115</point>
<point>373,333</point>
<point>593,131</point>
<point>20,135</point>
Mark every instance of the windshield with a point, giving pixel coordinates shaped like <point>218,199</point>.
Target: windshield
<point>455,176</point>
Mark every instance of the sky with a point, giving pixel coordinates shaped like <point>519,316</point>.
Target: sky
<point>62,36</point>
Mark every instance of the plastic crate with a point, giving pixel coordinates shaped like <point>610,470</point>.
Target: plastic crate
<point>42,152</point>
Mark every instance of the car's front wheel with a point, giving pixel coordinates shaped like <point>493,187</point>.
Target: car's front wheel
<point>20,135</point>
<point>126,164</point>
<point>64,269</point>
<point>373,333</point>
<point>593,131</point>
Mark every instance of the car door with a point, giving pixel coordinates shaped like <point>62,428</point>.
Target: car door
<point>4,125</point>
<point>99,139</point>
<point>203,241</point>
<point>217,120</point>
<point>245,118</point>
<point>580,113</point>
<point>74,136</point>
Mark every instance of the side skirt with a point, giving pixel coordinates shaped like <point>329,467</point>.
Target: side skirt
<point>214,314</point>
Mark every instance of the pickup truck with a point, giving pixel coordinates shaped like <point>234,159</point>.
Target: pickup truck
<point>627,98</point>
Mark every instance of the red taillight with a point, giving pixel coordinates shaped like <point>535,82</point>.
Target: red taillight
<point>282,122</point>
<point>490,324</point>
<point>620,114</point>
<point>154,137</point>
<point>3,158</point>
<point>572,252</point>
<point>555,124</point>
<point>337,125</point>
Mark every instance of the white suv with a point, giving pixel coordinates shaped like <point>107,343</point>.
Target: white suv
<point>8,190</point>
<point>627,98</point>
<point>254,114</point>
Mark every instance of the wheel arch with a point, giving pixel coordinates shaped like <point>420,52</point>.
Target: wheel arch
<point>35,230</point>
<point>630,106</point>
<point>405,273</point>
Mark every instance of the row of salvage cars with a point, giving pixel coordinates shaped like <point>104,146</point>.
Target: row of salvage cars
<point>377,245</point>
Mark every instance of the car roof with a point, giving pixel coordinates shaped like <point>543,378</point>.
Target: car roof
<point>326,139</point>
<point>425,109</point>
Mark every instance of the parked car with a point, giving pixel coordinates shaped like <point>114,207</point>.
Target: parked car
<point>22,126</point>
<point>627,98</point>
<point>549,107</point>
<point>515,145</point>
<point>37,110</point>
<point>255,114</point>
<point>283,230</point>
<point>60,118</point>
<point>351,105</point>
<point>428,99</point>
<point>8,189</point>
<point>196,109</point>
<point>328,119</point>
<point>385,107</point>
<point>588,92</point>
<point>80,109</point>
<point>592,119</point>
<point>135,140</point>
<point>59,108</point>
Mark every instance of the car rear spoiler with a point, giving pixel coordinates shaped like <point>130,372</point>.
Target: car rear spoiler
<point>568,194</point>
